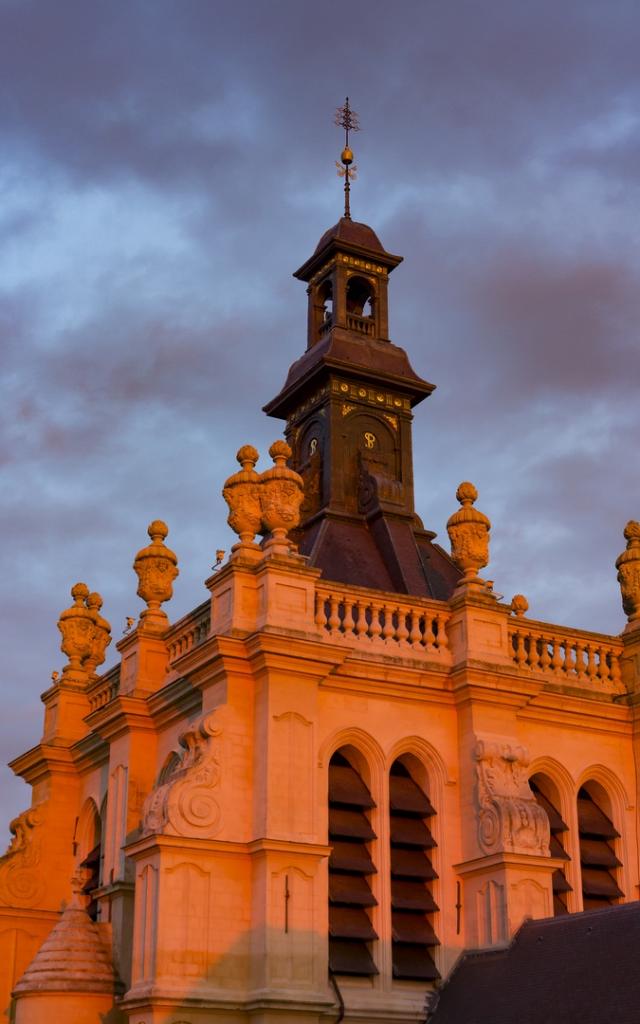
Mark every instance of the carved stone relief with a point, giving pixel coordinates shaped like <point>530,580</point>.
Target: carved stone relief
<point>21,882</point>
<point>509,818</point>
<point>185,804</point>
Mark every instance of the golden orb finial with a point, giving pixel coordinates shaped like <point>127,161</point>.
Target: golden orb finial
<point>348,119</point>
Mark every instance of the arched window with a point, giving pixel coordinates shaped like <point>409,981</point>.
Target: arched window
<point>547,796</point>
<point>89,852</point>
<point>598,861</point>
<point>412,875</point>
<point>350,898</point>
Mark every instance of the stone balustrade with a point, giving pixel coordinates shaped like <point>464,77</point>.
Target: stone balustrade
<point>568,657</point>
<point>359,616</point>
<point>105,689</point>
<point>189,631</point>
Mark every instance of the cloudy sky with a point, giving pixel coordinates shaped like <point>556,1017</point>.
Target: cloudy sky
<point>165,166</point>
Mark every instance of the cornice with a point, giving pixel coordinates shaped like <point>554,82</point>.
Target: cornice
<point>43,760</point>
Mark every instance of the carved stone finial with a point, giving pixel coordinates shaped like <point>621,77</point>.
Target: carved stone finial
<point>242,494</point>
<point>101,637</point>
<point>281,495</point>
<point>519,605</point>
<point>468,530</point>
<point>628,566</point>
<point>156,567</point>
<point>76,626</point>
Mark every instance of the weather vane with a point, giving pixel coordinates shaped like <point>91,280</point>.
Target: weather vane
<point>348,119</point>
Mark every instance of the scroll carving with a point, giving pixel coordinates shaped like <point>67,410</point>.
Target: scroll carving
<point>21,882</point>
<point>185,803</point>
<point>509,818</point>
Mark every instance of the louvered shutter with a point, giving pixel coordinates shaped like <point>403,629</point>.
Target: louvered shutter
<point>412,903</point>
<point>350,864</point>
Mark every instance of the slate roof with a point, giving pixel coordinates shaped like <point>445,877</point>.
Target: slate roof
<point>579,969</point>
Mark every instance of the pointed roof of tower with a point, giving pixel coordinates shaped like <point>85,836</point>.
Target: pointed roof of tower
<point>73,957</point>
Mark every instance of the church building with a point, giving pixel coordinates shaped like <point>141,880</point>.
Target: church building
<point>353,771</point>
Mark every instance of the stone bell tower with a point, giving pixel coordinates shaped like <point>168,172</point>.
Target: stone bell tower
<point>348,406</point>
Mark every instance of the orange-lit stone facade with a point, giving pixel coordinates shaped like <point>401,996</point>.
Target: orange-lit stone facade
<point>451,767</point>
<point>199,764</point>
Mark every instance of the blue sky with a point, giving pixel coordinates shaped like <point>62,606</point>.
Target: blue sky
<point>166,166</point>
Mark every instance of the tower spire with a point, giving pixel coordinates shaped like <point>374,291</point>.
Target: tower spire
<point>348,119</point>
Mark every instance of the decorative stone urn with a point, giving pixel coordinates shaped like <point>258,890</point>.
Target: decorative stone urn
<point>468,530</point>
<point>242,494</point>
<point>519,605</point>
<point>281,495</point>
<point>628,566</point>
<point>156,567</point>
<point>76,626</point>
<point>101,637</point>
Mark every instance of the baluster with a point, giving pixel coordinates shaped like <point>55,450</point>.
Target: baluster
<point>533,652</point>
<point>402,632</point>
<point>334,615</point>
<point>616,675</point>
<point>442,639</point>
<point>580,666</point>
<point>362,626</point>
<point>556,656</point>
<point>569,660</point>
<point>545,660</point>
<point>388,631</point>
<point>321,615</point>
<point>375,629</point>
<point>348,623</point>
<point>520,655</point>
<point>592,668</point>
<point>429,635</point>
<point>415,636</point>
<point>604,664</point>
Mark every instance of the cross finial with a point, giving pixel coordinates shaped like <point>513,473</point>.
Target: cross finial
<point>348,119</point>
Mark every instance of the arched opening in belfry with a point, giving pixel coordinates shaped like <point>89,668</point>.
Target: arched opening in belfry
<point>548,798</point>
<point>325,300</point>
<point>599,862</point>
<point>360,305</point>
<point>351,932</point>
<point>413,907</point>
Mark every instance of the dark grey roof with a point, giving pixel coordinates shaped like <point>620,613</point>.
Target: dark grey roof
<point>579,969</point>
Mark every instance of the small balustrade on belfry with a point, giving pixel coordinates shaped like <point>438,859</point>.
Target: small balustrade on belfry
<point>628,566</point>
<point>468,530</point>
<point>156,567</point>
